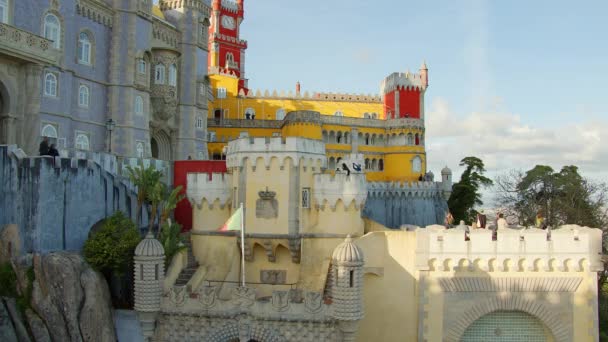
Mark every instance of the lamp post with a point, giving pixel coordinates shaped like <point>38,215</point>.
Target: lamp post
<point>110,127</point>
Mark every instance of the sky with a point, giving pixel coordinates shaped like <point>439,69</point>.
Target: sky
<point>515,83</point>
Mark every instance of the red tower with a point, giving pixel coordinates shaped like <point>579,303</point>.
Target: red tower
<point>403,94</point>
<point>227,50</point>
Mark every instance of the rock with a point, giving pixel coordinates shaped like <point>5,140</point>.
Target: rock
<point>10,242</point>
<point>20,330</point>
<point>96,321</point>
<point>7,332</point>
<point>44,306</point>
<point>39,331</point>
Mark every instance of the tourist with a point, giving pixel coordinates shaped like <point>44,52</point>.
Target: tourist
<point>539,222</point>
<point>481,220</point>
<point>53,151</point>
<point>501,223</point>
<point>44,147</point>
<point>189,157</point>
<point>449,219</point>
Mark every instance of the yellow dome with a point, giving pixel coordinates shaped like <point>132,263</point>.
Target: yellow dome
<point>157,12</point>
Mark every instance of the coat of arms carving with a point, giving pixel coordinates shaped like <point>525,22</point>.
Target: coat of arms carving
<point>243,296</point>
<point>280,300</point>
<point>206,296</point>
<point>313,302</point>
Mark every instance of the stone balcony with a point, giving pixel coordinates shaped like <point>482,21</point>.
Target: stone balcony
<point>26,46</point>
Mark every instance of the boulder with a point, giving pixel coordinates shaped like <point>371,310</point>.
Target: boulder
<point>96,321</point>
<point>7,332</point>
<point>20,330</point>
<point>39,331</point>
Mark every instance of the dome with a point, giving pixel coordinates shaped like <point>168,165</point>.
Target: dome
<point>149,247</point>
<point>446,171</point>
<point>348,252</point>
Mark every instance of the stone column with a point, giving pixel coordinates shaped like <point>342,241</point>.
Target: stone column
<point>30,130</point>
<point>354,140</point>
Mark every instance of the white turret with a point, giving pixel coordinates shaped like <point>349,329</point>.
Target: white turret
<point>149,276</point>
<point>446,182</point>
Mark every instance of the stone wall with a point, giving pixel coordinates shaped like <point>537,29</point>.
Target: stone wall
<point>55,202</point>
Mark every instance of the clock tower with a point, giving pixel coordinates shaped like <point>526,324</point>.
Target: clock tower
<point>226,49</point>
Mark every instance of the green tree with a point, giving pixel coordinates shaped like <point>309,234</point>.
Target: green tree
<point>145,179</point>
<point>110,250</point>
<point>465,194</point>
<point>171,239</point>
<point>172,198</point>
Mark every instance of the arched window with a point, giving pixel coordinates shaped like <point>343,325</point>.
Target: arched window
<point>82,141</point>
<point>139,105</point>
<point>84,48</point>
<point>381,165</point>
<point>50,84</point>
<point>324,134</point>
<point>280,114</point>
<point>139,149</point>
<point>249,113</point>
<point>410,139</point>
<point>374,164</point>
<point>4,11</point>
<point>374,116</point>
<point>367,165</point>
<point>417,139</point>
<point>49,131</point>
<point>52,28</point>
<point>339,137</point>
<point>173,75</point>
<point>83,96</point>
<point>159,74</point>
<point>338,113</point>
<point>141,66</point>
<point>416,164</point>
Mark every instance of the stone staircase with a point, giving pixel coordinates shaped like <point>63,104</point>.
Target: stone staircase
<point>187,273</point>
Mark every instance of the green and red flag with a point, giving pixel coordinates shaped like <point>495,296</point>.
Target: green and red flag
<point>235,222</point>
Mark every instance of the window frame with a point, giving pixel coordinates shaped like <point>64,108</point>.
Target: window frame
<point>55,90</point>
<point>198,122</point>
<point>85,45</point>
<point>6,6</point>
<point>51,27</point>
<point>49,125</point>
<point>140,154</point>
<point>159,73</point>
<point>173,75</point>
<point>80,96</point>
<point>140,62</point>
<point>138,104</point>
<point>78,134</point>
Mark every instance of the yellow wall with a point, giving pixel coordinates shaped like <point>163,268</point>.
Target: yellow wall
<point>205,219</point>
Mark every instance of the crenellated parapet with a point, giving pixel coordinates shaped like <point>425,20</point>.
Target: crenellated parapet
<point>316,96</point>
<point>297,149</point>
<point>402,81</point>
<point>569,248</point>
<point>210,187</point>
<point>420,189</point>
<point>329,189</point>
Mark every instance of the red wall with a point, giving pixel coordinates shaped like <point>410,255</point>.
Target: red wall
<point>389,104</point>
<point>181,168</point>
<point>409,103</point>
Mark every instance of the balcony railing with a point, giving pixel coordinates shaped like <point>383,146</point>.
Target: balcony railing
<point>26,45</point>
<point>241,123</point>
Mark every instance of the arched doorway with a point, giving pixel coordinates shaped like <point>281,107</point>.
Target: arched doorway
<point>160,145</point>
<point>507,326</point>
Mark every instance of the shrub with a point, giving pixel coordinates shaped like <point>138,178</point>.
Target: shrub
<point>110,250</point>
<point>8,280</point>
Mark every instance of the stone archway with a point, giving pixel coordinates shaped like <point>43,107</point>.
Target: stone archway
<point>233,332</point>
<point>560,329</point>
<point>160,145</point>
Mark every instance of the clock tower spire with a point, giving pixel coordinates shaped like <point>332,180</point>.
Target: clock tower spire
<point>226,49</point>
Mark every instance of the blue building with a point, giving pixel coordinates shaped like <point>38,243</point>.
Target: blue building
<point>68,67</point>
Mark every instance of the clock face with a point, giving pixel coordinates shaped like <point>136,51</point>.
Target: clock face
<point>228,22</point>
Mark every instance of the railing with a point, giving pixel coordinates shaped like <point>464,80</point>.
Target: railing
<point>244,123</point>
<point>26,45</point>
<point>292,286</point>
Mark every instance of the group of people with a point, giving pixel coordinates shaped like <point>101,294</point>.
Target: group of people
<point>500,223</point>
<point>47,150</point>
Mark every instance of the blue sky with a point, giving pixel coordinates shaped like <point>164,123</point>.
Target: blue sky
<point>516,83</point>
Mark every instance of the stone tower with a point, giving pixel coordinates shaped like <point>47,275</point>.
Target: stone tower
<point>149,277</point>
<point>446,182</point>
<point>347,287</point>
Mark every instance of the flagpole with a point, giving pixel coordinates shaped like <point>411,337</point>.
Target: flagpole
<point>242,244</point>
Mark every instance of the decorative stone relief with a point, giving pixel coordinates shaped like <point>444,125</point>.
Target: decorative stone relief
<point>177,295</point>
<point>243,296</point>
<point>280,300</point>
<point>313,302</point>
<point>164,102</point>
<point>295,247</point>
<point>267,206</point>
<point>269,251</point>
<point>273,277</point>
<point>207,295</point>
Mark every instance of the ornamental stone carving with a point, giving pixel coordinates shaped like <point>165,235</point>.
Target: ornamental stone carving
<point>274,277</point>
<point>267,206</point>
<point>313,302</point>
<point>164,102</point>
<point>207,295</point>
<point>243,296</point>
<point>177,295</point>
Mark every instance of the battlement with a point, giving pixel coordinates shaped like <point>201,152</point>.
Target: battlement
<point>241,43</point>
<point>230,5</point>
<point>568,248</point>
<point>329,189</point>
<point>409,189</point>
<point>317,96</point>
<point>294,148</point>
<point>210,187</point>
<point>400,81</point>
<point>167,5</point>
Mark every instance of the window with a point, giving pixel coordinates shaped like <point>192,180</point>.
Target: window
<point>338,113</point>
<point>221,93</point>
<point>173,75</point>
<point>50,84</point>
<point>141,272</point>
<point>410,139</point>
<point>199,122</point>
<point>200,155</point>
<point>416,164</point>
<point>84,48</point>
<point>83,96</point>
<point>306,198</point>
<point>139,149</point>
<point>49,131</point>
<point>211,137</point>
<point>280,114</point>
<point>159,74</point>
<point>4,11</point>
<point>139,105</point>
<point>352,278</point>
<point>249,113</point>
<point>141,66</point>
<point>156,272</point>
<point>52,29</point>
<point>82,141</point>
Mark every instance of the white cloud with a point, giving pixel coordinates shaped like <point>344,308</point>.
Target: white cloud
<point>504,142</point>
